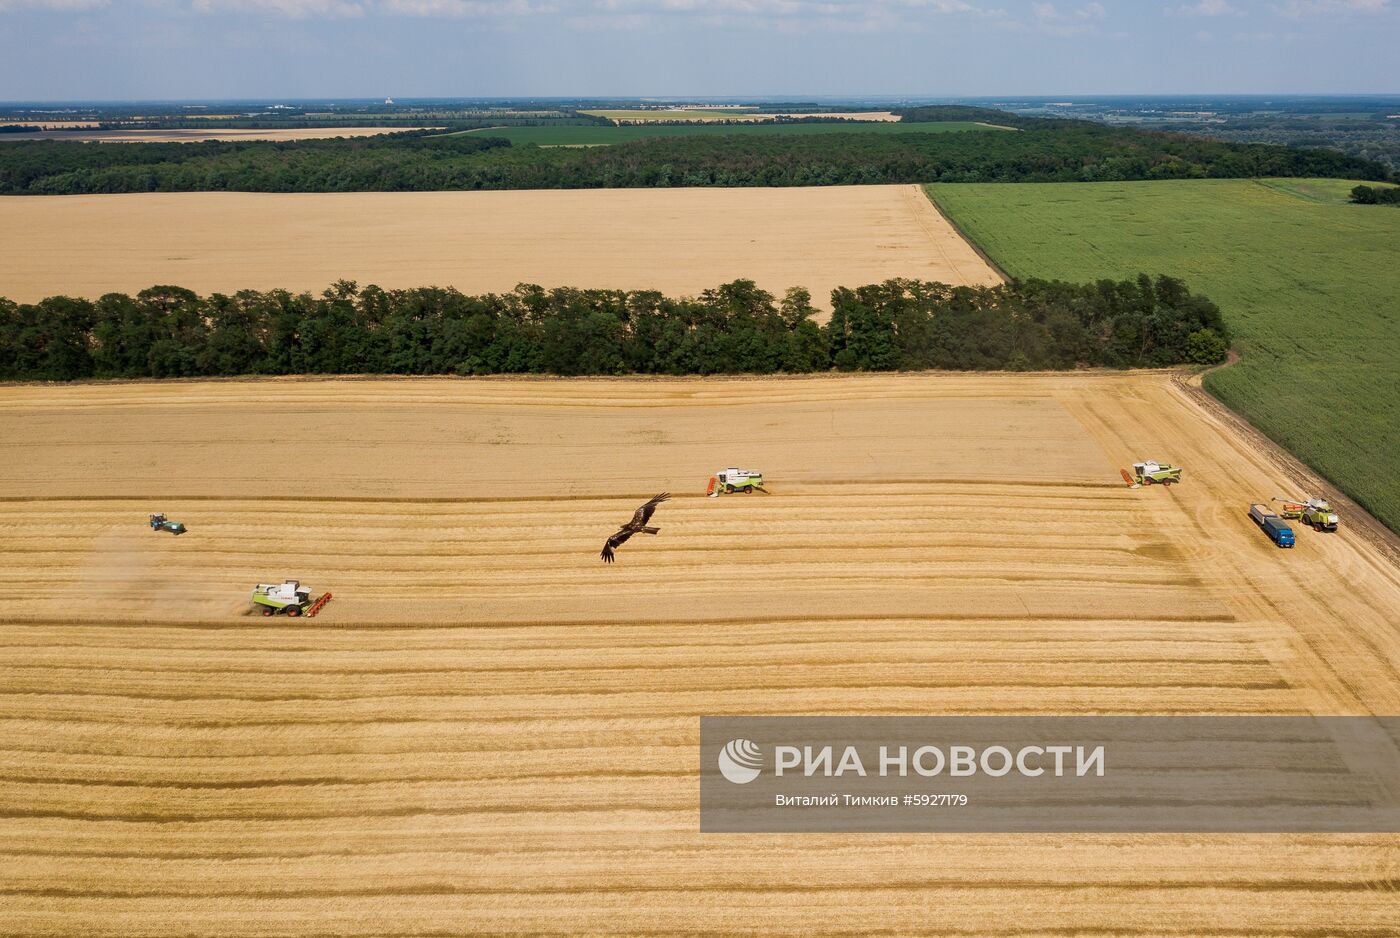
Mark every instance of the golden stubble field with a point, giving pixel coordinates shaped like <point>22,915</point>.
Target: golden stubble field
<point>489,731</point>
<point>195,134</point>
<point>680,241</point>
<point>702,115</point>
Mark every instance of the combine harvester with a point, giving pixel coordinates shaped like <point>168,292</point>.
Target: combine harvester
<point>161,523</point>
<point>1314,512</point>
<point>287,598</point>
<point>728,481</point>
<point>1148,472</point>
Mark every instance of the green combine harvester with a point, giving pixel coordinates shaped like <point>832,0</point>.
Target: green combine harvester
<point>728,481</point>
<point>1148,472</point>
<point>1314,512</point>
<point>287,598</point>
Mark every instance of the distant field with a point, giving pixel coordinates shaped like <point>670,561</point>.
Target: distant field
<point>731,114</point>
<point>698,114</point>
<point>1307,282</point>
<point>48,124</point>
<point>680,241</point>
<point>567,136</point>
<point>191,135</point>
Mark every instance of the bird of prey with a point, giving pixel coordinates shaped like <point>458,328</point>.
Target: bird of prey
<point>638,524</point>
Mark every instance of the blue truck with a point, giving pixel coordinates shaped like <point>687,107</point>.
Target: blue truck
<point>1278,530</point>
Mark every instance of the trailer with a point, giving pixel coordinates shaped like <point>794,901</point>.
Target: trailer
<point>1272,525</point>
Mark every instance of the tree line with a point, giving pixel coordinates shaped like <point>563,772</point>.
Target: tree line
<point>1040,151</point>
<point>168,331</point>
<point>1370,195</point>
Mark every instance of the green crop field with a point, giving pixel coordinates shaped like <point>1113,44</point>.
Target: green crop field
<point>585,135</point>
<point>1309,284</point>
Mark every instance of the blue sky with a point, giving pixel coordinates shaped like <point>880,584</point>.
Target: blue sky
<point>176,49</point>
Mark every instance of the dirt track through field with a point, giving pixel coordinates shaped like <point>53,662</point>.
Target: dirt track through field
<point>490,731</point>
<point>680,241</point>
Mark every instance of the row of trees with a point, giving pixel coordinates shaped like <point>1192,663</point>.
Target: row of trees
<point>1041,151</point>
<point>1370,195</point>
<point>168,331</point>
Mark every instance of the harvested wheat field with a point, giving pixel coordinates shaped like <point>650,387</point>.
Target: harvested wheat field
<point>701,115</point>
<point>489,731</point>
<point>680,241</point>
<point>196,134</point>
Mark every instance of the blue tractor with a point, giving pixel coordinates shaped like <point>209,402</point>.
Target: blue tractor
<point>162,523</point>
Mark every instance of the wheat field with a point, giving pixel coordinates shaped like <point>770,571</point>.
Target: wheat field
<point>63,131</point>
<point>679,241</point>
<point>488,731</point>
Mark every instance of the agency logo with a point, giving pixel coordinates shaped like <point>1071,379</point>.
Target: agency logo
<point>740,761</point>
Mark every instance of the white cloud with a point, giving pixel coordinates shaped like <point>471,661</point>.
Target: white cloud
<point>1207,8</point>
<point>296,9</point>
<point>60,6</point>
<point>1297,9</point>
<point>596,12</point>
<point>1077,21</point>
<point>465,7</point>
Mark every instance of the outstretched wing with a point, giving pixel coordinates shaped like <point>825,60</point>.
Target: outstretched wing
<point>614,542</point>
<point>642,515</point>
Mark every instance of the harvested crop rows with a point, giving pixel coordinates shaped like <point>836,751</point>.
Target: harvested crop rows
<point>490,731</point>
<point>679,241</point>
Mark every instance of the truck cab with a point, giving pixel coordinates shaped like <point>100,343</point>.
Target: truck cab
<point>1280,533</point>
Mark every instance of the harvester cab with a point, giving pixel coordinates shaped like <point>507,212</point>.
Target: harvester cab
<point>1314,512</point>
<point>1149,472</point>
<point>731,480</point>
<point>287,598</point>
<point>161,523</point>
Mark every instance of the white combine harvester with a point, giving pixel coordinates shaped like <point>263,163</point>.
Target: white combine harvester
<point>287,598</point>
<point>1151,472</point>
<point>727,481</point>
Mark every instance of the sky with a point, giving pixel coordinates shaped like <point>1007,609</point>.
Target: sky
<point>55,50</point>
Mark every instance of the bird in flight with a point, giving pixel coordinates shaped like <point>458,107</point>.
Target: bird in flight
<point>638,524</point>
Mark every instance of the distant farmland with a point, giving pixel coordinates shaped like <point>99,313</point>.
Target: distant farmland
<point>679,241</point>
<point>195,134</point>
<point>564,136</point>
<point>1308,283</point>
<point>728,114</point>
